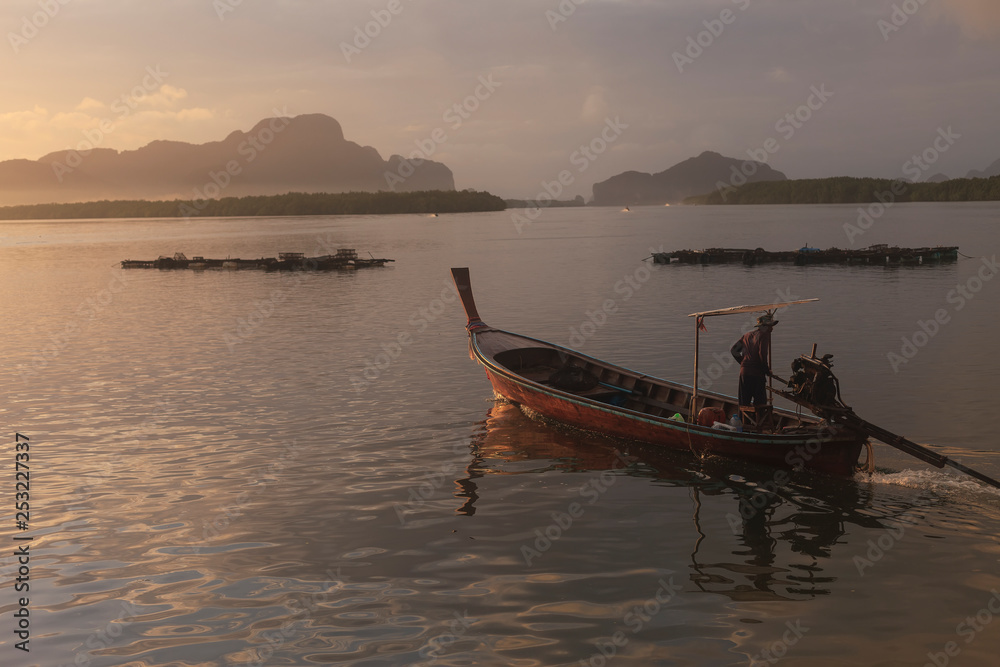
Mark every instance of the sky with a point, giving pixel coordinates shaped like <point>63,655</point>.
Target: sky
<point>509,93</point>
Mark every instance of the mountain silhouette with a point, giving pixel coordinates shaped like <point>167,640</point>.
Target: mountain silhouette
<point>307,153</point>
<point>694,176</point>
<point>992,170</point>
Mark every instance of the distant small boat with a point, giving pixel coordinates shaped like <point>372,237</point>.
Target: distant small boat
<point>625,210</point>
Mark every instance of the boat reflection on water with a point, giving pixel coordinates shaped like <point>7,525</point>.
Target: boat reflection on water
<point>776,543</point>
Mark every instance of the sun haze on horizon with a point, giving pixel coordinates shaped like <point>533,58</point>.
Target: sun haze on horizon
<point>504,94</point>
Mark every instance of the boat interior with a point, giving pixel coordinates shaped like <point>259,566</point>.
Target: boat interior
<point>609,384</point>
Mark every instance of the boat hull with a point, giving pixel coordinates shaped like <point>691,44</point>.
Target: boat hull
<point>828,450</point>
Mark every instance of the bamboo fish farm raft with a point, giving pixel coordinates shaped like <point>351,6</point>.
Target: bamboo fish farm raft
<point>876,255</point>
<point>346,259</point>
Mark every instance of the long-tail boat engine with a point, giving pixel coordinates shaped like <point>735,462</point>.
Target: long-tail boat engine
<point>814,386</point>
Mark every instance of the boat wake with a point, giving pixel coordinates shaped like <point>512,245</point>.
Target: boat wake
<point>931,480</point>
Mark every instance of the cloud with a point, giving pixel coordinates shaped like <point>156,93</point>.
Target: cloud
<point>21,121</point>
<point>179,116</point>
<point>609,58</point>
<point>31,133</point>
<point>979,19</point>
<point>779,75</point>
<point>595,107</point>
<point>166,97</point>
<point>90,104</point>
<point>74,120</point>
<point>22,131</point>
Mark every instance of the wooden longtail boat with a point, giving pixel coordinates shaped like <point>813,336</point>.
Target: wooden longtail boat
<point>578,390</point>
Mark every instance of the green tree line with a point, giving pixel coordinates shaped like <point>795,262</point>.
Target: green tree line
<point>290,204</point>
<point>847,190</point>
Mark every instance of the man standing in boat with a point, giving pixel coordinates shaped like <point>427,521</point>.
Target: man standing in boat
<point>753,351</point>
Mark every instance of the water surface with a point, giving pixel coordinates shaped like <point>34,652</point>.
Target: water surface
<point>250,468</point>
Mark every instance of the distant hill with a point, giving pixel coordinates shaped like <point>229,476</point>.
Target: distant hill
<point>992,170</point>
<point>847,190</point>
<point>307,153</point>
<point>693,176</point>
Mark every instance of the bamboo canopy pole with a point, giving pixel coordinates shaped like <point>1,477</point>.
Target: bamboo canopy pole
<point>735,310</point>
<point>694,395</point>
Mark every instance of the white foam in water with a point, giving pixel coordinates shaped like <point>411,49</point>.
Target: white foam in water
<point>932,480</point>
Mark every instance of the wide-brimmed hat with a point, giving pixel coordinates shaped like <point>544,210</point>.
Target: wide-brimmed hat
<point>766,320</point>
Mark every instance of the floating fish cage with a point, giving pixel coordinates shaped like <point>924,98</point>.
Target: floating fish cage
<point>876,255</point>
<point>345,259</point>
